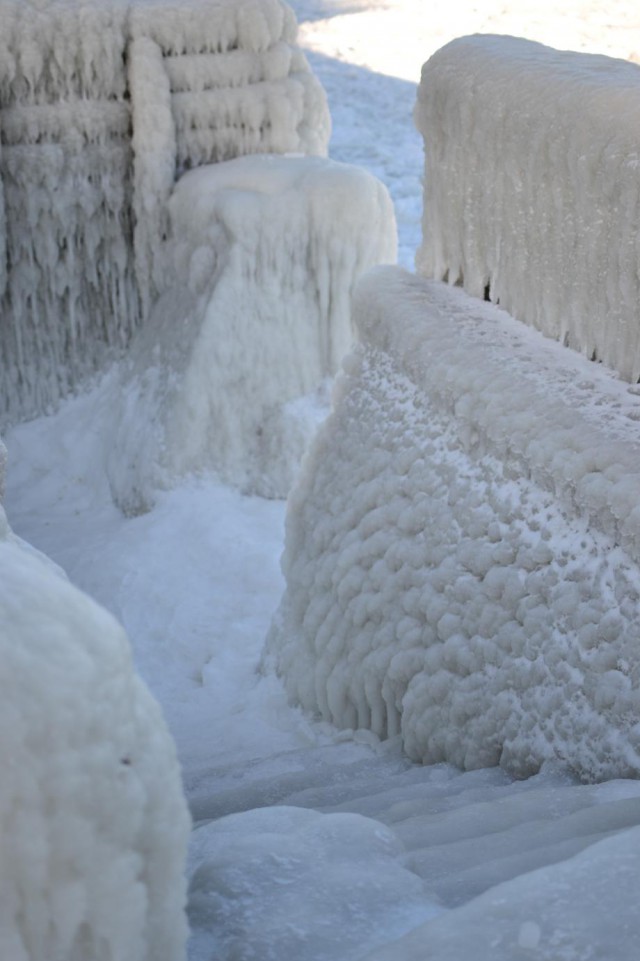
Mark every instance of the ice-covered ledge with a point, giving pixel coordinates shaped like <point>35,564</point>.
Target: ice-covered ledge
<point>532,191</point>
<point>463,549</point>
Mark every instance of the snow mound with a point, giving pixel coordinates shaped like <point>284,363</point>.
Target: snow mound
<point>289,884</point>
<point>102,106</point>
<point>585,907</point>
<point>550,232</point>
<point>93,824</point>
<point>267,253</point>
<point>463,545</point>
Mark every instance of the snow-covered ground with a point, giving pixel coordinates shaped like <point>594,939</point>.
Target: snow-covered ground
<point>195,583</point>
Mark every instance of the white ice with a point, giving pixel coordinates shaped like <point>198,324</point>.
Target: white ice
<point>102,107</point>
<point>462,551</point>
<point>551,235</point>
<point>196,580</point>
<point>267,252</point>
<point>93,822</point>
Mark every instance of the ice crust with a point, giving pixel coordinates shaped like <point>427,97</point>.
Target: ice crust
<point>531,188</point>
<point>93,822</point>
<point>462,548</point>
<point>102,106</point>
<point>267,252</point>
<point>289,884</point>
<point>584,907</point>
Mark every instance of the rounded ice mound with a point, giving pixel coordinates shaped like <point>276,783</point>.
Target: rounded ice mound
<point>93,823</point>
<point>290,884</point>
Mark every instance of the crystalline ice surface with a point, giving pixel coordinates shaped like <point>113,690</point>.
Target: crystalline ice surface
<point>532,189</point>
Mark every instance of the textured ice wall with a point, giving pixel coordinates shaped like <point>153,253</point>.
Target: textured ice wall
<point>462,548</point>
<point>102,105</point>
<point>65,167</point>
<point>532,188</point>
<point>93,823</point>
<point>268,250</point>
<point>218,82</point>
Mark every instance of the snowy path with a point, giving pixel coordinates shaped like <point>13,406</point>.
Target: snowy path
<point>195,582</point>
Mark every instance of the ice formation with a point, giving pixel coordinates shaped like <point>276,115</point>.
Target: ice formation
<point>531,188</point>
<point>462,549</point>
<point>289,884</point>
<point>585,907</point>
<point>267,253</point>
<point>93,823</point>
<point>102,106</point>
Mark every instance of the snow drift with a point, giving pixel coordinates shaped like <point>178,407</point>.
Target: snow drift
<point>93,824</point>
<point>532,192</point>
<point>462,551</point>
<point>267,251</point>
<point>102,106</point>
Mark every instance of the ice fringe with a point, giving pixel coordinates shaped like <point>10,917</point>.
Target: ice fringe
<point>93,823</point>
<point>532,193</point>
<point>267,252</point>
<point>463,548</point>
<point>102,106</point>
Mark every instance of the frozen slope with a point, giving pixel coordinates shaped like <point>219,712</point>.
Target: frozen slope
<point>197,579</point>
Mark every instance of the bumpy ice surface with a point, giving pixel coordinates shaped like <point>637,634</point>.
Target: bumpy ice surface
<point>93,823</point>
<point>462,548</point>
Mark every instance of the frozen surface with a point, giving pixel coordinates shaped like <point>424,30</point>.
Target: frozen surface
<point>93,823</point>
<point>585,907</point>
<point>289,884</point>
<point>462,547</point>
<point>550,235</point>
<point>195,580</point>
<point>103,106</point>
<point>268,250</point>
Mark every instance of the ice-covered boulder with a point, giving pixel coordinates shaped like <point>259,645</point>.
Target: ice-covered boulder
<point>102,106</point>
<point>267,252</point>
<point>463,546</point>
<point>532,193</point>
<point>93,823</point>
<point>291,884</point>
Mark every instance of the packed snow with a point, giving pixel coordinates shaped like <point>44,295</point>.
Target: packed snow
<point>103,106</point>
<point>93,822</point>
<point>195,582</point>
<point>268,250</point>
<point>551,234</point>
